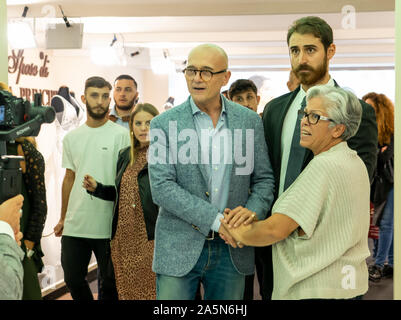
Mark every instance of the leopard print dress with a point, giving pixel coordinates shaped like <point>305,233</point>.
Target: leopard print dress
<point>131,252</point>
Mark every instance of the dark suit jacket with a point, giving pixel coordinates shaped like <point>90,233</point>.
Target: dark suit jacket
<point>364,142</point>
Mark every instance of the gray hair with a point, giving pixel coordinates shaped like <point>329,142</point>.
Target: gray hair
<point>342,106</point>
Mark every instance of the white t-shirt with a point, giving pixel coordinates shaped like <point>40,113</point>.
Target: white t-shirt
<point>92,151</point>
<point>330,202</point>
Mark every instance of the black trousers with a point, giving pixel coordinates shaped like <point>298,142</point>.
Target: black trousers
<point>264,267</point>
<point>75,257</point>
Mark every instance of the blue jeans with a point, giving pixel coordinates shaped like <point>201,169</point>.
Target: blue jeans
<point>220,279</point>
<point>384,245</point>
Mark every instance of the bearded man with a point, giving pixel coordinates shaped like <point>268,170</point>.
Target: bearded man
<point>311,47</point>
<point>125,96</point>
<point>85,222</point>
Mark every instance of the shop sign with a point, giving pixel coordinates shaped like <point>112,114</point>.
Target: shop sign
<point>17,64</point>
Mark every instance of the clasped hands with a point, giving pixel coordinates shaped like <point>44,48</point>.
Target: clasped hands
<point>235,223</point>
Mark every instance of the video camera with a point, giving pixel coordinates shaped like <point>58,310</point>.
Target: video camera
<point>18,118</point>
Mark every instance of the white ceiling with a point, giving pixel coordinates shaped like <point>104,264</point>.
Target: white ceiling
<point>137,8</point>
<point>253,32</point>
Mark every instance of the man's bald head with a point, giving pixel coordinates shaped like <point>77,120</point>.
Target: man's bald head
<point>210,49</point>
<point>212,60</point>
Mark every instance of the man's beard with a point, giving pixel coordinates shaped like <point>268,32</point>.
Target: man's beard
<point>128,107</point>
<point>314,76</point>
<point>96,116</point>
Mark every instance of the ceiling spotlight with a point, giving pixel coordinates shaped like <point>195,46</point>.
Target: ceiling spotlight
<point>67,23</point>
<point>25,12</point>
<point>113,41</point>
<point>166,53</point>
<point>20,34</point>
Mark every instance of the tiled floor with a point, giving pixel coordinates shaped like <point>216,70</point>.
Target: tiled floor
<point>92,285</point>
<point>382,290</point>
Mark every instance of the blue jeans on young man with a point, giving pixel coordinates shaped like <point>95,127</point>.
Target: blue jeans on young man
<point>220,279</point>
<point>383,248</point>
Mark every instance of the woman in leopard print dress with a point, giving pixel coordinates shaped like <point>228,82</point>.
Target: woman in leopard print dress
<point>134,212</point>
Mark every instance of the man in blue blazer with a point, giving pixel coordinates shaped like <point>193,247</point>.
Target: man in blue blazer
<point>311,47</point>
<point>206,156</point>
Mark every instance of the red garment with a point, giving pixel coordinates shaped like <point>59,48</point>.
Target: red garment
<point>373,230</point>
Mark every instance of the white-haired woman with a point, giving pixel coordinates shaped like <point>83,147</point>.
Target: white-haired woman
<point>319,225</point>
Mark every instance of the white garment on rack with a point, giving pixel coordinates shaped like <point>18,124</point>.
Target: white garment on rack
<point>70,119</point>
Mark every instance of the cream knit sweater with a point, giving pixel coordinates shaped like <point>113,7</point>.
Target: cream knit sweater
<point>330,202</point>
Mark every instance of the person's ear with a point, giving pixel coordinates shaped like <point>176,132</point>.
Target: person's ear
<point>258,99</point>
<point>338,130</point>
<point>227,76</point>
<point>331,51</point>
<point>83,99</point>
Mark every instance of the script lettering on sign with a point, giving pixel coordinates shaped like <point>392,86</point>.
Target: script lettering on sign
<point>16,64</point>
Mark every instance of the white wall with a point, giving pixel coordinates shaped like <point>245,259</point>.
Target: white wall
<point>154,89</point>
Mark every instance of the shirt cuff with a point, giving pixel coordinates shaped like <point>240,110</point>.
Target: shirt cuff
<point>216,224</point>
<point>6,229</point>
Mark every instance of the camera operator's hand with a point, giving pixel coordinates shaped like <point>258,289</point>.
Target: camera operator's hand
<point>89,183</point>
<point>10,212</point>
<point>18,238</point>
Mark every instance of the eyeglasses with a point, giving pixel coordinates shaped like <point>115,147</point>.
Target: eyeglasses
<point>205,75</point>
<point>312,117</point>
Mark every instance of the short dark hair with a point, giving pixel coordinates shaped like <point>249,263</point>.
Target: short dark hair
<point>126,77</point>
<point>240,86</point>
<point>312,25</point>
<point>96,82</point>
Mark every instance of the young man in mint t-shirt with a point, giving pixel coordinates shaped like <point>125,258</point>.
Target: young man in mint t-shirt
<point>85,222</point>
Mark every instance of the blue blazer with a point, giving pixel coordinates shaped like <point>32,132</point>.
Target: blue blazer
<point>181,191</point>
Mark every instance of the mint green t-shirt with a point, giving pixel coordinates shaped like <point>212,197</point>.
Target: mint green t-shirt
<point>92,151</point>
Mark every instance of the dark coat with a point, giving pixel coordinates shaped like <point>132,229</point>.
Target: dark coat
<point>364,142</point>
<point>383,180</point>
<point>111,193</point>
